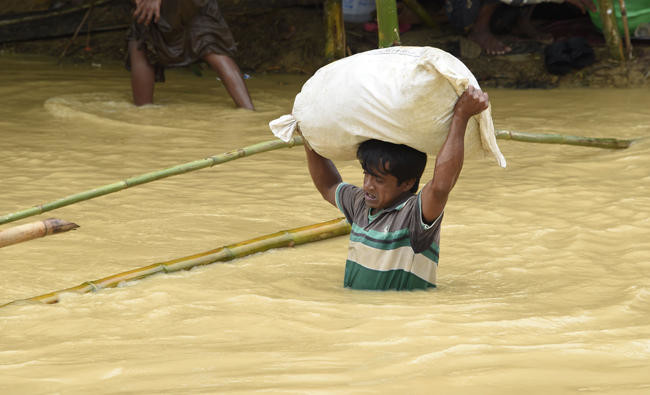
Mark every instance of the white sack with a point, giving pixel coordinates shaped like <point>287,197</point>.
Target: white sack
<point>403,95</point>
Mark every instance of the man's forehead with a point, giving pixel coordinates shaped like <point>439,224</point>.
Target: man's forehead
<point>379,171</point>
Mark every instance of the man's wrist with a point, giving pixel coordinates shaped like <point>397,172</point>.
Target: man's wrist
<point>459,116</point>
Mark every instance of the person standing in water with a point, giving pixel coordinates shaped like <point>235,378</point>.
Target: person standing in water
<point>175,33</point>
<point>396,233</point>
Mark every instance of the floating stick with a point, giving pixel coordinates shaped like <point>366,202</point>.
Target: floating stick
<point>34,230</point>
<point>549,138</point>
<point>152,176</point>
<point>286,238</point>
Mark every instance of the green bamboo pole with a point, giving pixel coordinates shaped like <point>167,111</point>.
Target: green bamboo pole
<point>152,176</point>
<point>335,30</point>
<point>550,138</point>
<point>421,12</point>
<point>286,238</point>
<point>610,29</point>
<point>547,138</point>
<point>387,23</point>
<point>34,230</point>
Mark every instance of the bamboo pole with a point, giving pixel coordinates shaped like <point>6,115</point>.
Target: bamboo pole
<point>420,12</point>
<point>34,230</point>
<point>388,27</point>
<point>551,138</point>
<point>286,238</point>
<point>548,138</point>
<point>610,29</point>
<point>335,30</point>
<point>626,29</point>
<point>152,176</point>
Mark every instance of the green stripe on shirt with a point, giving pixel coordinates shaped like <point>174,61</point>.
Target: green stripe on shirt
<point>360,277</point>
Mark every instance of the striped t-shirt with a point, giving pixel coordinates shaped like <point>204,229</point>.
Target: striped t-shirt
<point>391,249</point>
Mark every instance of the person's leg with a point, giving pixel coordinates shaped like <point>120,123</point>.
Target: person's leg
<point>142,76</point>
<point>231,77</point>
<point>481,34</point>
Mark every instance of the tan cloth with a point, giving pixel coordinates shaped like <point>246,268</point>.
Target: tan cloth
<point>187,31</point>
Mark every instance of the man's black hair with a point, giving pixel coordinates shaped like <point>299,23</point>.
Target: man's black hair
<point>398,160</point>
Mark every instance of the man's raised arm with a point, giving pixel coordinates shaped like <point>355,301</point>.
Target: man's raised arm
<point>449,161</point>
<point>323,173</point>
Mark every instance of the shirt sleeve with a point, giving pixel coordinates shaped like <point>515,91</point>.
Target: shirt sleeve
<point>423,236</point>
<point>349,199</point>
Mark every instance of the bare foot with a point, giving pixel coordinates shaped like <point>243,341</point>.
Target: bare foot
<point>488,42</point>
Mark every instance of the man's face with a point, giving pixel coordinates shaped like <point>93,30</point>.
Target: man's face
<point>382,190</point>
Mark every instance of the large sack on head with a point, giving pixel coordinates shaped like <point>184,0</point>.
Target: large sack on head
<point>403,95</point>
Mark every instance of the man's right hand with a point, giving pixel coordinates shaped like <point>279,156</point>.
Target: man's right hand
<point>147,10</point>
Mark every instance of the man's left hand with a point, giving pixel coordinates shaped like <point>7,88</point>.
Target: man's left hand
<point>471,102</point>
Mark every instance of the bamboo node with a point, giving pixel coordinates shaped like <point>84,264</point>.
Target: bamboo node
<point>94,287</point>
<point>229,253</point>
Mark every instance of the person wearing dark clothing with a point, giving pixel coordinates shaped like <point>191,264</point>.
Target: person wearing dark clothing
<point>176,33</point>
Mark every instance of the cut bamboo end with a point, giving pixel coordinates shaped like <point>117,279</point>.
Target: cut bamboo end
<point>285,238</point>
<point>34,230</point>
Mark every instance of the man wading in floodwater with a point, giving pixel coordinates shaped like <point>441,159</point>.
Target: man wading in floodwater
<point>395,233</point>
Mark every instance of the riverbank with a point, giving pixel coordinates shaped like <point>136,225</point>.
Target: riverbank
<point>290,40</point>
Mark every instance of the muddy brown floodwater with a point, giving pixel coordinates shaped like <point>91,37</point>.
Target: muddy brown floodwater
<point>544,277</point>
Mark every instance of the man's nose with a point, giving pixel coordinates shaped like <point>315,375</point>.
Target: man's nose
<point>367,182</point>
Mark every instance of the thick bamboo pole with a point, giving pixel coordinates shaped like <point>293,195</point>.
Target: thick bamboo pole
<point>286,238</point>
<point>387,23</point>
<point>610,29</point>
<point>152,176</point>
<point>626,29</point>
<point>335,30</point>
<point>549,138</point>
<point>420,12</point>
<point>34,230</point>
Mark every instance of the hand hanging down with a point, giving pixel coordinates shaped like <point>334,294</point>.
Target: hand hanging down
<point>146,11</point>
